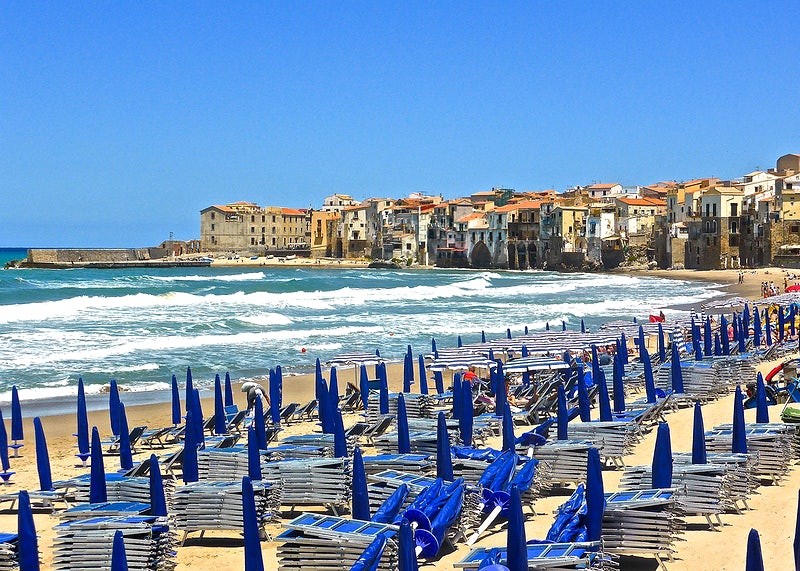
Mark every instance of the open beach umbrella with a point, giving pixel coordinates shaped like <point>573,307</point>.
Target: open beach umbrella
<point>754,560</point>
<point>253,456</point>
<point>508,429</point>
<point>738,436</point>
<point>27,543</point>
<point>189,387</point>
<point>119,559</point>
<point>276,392</point>
<point>707,336</point>
<point>602,399</point>
<point>444,458</point>
<point>371,557</point>
<point>516,548</point>
<point>756,327</point>
<point>339,438</point>
<point>253,560</point>
<point>438,380</point>
<point>16,416</point>
<point>42,457</point>
<point>676,373</point>
<point>762,410</point>
<point>260,424</point>
<point>82,422</point>
<point>228,390</point>
<point>662,350</point>
<point>363,386</point>
<point>465,417</point>
<point>190,470</point>
<point>383,401</point>
<point>662,458</point>
<point>176,402</point>
<point>423,377</point>
<point>563,413</point>
<point>113,407</point>
<point>158,502</point>
<point>595,500</point>
<point>220,424</point>
<point>360,499</point>
<point>406,557</point>
<point>97,472</point>
<point>619,387</point>
<point>333,389</point>
<point>4,447</point>
<point>403,437</point>
<point>698,437</point>
<point>584,406</point>
<point>125,453</point>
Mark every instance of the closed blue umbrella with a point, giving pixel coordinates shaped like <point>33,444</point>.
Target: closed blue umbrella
<point>125,453</point>
<point>4,447</point>
<point>119,559</point>
<point>717,347</point>
<point>583,326</point>
<point>42,457</point>
<point>675,371</point>
<point>276,392</point>
<point>457,401</point>
<point>756,327</point>
<point>190,471</point>
<point>408,373</point>
<point>754,560</point>
<point>649,380</point>
<point>253,560</point>
<point>459,343</point>
<point>762,411</point>
<point>707,336</point>
<point>318,380</point>
<point>546,328</point>
<point>82,422</point>
<point>767,328</point>
<point>360,509</point>
<point>623,346</point>
<point>743,334</point>
<point>792,314</point>
<point>662,350</point>
<point>563,325</point>
<point>746,318</point>
<point>525,350</point>
<point>197,423</point>
<point>595,500</point>
<point>619,388</point>
<point>438,380</point>
<point>429,542</point>
<point>158,502</point>
<point>433,346</point>
<point>388,510</point>
<point>16,416</point>
<point>602,399</point>
<point>228,391</point>
<point>253,456</point>
<point>371,557</point>
<point>383,401</point>
<point>444,458</point>
<point>500,396</point>
<point>28,544</point>
<point>465,418</point>
<point>220,424</point>
<point>662,458</point>
<point>739,436</point>
<point>563,413</point>
<point>406,557</point>
<point>403,437</point>
<point>363,386</point>
<point>595,366</point>
<point>333,389</point>
<point>698,437</point>
<point>97,472</point>
<point>723,334</point>
<point>483,336</point>
<point>796,543</point>
<point>324,409</point>
<point>516,549</point>
<point>508,429</point>
<point>781,332</point>
<point>423,377</point>
<point>260,424</point>
<point>698,347</point>
<point>584,406</point>
<point>508,332</point>
<point>339,438</point>
<point>176,402</point>
<point>113,407</point>
<point>189,388</point>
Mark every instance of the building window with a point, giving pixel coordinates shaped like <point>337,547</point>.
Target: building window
<point>212,227</point>
<point>714,209</point>
<point>212,214</point>
<point>273,220</point>
<point>263,229</point>
<point>252,219</point>
<point>794,229</point>
<point>252,241</point>
<point>273,240</point>
<point>734,209</point>
<point>252,229</point>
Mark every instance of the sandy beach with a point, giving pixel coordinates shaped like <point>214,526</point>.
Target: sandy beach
<point>773,512</point>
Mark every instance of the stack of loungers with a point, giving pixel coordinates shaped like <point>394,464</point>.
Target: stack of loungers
<point>420,464</point>
<point>119,489</point>
<point>421,442</point>
<point>557,556</point>
<point>8,551</point>
<point>740,477</point>
<point>311,482</point>
<point>417,406</point>
<point>566,459</point>
<point>614,439</point>
<point>773,446</point>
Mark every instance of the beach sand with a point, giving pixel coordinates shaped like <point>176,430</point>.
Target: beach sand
<point>773,513</point>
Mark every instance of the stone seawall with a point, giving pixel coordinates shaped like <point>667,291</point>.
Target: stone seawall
<point>104,258</point>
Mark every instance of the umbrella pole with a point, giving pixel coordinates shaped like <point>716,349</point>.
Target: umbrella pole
<point>485,525</point>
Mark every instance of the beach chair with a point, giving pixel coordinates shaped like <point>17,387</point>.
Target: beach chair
<point>378,429</point>
<point>562,556</point>
<point>351,402</point>
<point>288,411</point>
<point>305,412</point>
<point>155,438</point>
<point>236,421</point>
<point>134,435</point>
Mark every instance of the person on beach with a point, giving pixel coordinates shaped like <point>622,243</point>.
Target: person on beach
<point>470,376</point>
<point>255,391</point>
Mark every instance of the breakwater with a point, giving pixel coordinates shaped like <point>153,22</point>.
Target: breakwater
<point>106,258</point>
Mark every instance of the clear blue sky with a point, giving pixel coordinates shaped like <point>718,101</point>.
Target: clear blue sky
<point>120,121</point>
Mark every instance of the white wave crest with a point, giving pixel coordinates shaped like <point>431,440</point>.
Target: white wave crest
<point>266,319</point>
<point>247,277</point>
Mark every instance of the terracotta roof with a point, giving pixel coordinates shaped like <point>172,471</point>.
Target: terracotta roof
<point>602,186</point>
<point>356,207</point>
<point>483,193</point>
<point>468,217</point>
<point>292,212</point>
<point>642,201</point>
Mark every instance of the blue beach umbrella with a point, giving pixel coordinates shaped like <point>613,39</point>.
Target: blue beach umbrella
<point>584,406</point>
<point>119,559</point>
<point>433,346</point>
<point>619,388</point>
<point>339,438</point>
<point>438,380</point>
<point>113,407</point>
<point>408,372</point>
<point>197,423</point>
<point>583,326</point>
<point>253,456</point>
<point>406,557</point>
<point>189,387</point>
<point>739,436</point>
<point>423,377</point>
<point>717,347</point>
<point>796,543</point>
<point>756,327</point>
<point>516,548</point>
<point>662,352</point>
<point>4,447</point>
<point>360,499</point>
<point>508,429</point>
<point>500,396</point>
<point>508,332</point>
<point>333,389</point>
<point>125,453</point>
<point>459,343</point>
<point>27,543</point>
<point>781,320</point>
<point>675,371</point>
<point>465,417</point>
<point>754,560</point>
<point>707,336</point>
<point>42,457</point>
<point>723,334</point>
<point>260,424</point>
<point>792,315</point>
<point>371,557</point>
<point>430,542</point>
<point>662,458</point>
<point>524,350</point>
<point>444,458</point>
<point>768,328</point>
<point>158,502</point>
<point>649,380</point>
<point>563,325</point>
<point>176,402</point>
<point>546,328</point>
<point>526,330</point>
<point>363,386</point>
<point>483,336</point>
<point>318,380</point>
<point>746,318</point>
<point>324,409</point>
<point>698,347</point>
<point>623,348</point>
<point>97,472</point>
<point>276,392</point>
<point>253,560</point>
<point>742,337</point>
<point>595,500</point>
<point>762,410</point>
<point>388,510</point>
<point>82,422</point>
<point>220,424</point>
<point>403,437</point>
<point>563,413</point>
<point>456,408</point>
<point>602,398</point>
<point>698,437</point>
<point>228,391</point>
<point>595,365</point>
<point>190,471</point>
<point>384,389</point>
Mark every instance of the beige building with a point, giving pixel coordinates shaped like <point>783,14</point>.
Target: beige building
<point>247,227</point>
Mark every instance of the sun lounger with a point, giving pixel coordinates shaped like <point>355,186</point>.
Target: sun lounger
<point>134,435</point>
<point>155,438</point>
<point>321,482</point>
<point>561,556</point>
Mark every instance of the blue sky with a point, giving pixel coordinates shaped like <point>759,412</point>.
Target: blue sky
<point>120,121</point>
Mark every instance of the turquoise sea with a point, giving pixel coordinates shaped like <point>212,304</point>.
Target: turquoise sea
<point>141,326</point>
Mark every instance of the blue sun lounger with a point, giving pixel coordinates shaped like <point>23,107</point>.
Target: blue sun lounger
<point>542,556</point>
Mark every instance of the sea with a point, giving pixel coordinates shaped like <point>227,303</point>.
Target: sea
<point>141,326</point>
